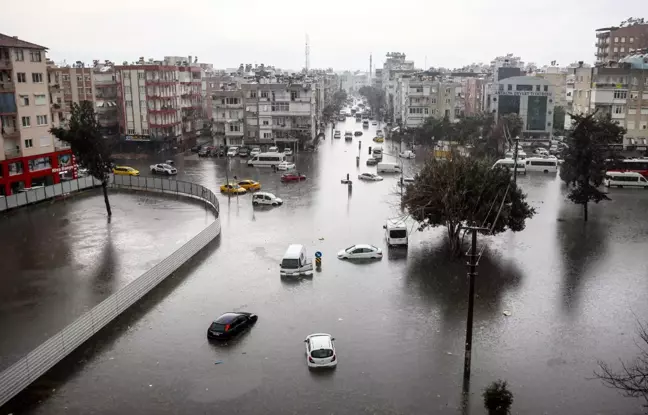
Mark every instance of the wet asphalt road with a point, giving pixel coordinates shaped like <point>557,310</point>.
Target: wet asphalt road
<point>574,292</point>
<point>60,259</point>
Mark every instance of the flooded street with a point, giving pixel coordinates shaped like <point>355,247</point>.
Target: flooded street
<point>574,291</point>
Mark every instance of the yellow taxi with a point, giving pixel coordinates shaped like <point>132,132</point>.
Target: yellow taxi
<point>232,189</point>
<point>125,171</point>
<point>379,139</point>
<point>248,184</point>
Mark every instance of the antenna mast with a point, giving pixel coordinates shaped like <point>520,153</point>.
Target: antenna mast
<point>370,65</point>
<point>307,54</point>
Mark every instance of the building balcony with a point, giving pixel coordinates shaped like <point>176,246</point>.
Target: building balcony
<point>12,154</point>
<point>229,133</point>
<point>55,106</point>
<point>162,110</point>
<point>193,81</point>
<point>164,124</point>
<point>7,86</point>
<point>5,64</point>
<point>10,134</point>
<point>160,81</point>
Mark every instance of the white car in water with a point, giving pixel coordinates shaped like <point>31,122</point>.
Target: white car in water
<point>360,251</point>
<point>163,168</point>
<point>407,154</point>
<point>255,151</point>
<point>284,165</point>
<point>288,152</point>
<point>320,351</point>
<point>370,177</point>
<point>265,198</point>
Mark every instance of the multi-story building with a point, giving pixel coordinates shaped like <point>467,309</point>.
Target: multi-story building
<point>394,66</point>
<point>530,97</point>
<point>421,96</point>
<point>615,43</point>
<point>75,84</point>
<point>619,90</point>
<point>106,99</point>
<point>284,112</point>
<point>557,77</point>
<point>159,103</point>
<point>474,95</point>
<point>30,156</point>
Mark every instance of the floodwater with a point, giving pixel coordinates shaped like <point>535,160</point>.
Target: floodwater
<point>574,292</point>
<point>60,259</point>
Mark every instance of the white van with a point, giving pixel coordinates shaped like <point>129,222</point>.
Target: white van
<point>521,166</point>
<point>625,179</point>
<point>267,159</point>
<point>295,262</point>
<point>543,164</point>
<point>388,168</point>
<point>395,232</point>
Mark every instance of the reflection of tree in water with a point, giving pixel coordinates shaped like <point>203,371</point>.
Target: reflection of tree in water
<point>442,281</point>
<point>104,280</point>
<point>581,244</point>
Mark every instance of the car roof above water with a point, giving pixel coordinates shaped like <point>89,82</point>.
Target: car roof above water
<point>294,251</point>
<point>226,318</point>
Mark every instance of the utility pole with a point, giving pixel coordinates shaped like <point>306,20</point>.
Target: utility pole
<point>472,273</point>
<point>515,159</point>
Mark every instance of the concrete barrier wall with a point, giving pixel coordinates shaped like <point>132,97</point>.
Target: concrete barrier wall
<point>22,373</point>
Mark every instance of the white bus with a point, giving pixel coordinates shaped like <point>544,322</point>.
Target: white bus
<point>266,159</point>
<point>625,179</point>
<point>543,164</point>
<point>508,163</point>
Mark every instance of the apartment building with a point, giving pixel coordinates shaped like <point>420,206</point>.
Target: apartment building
<point>29,157</point>
<point>421,96</point>
<point>617,42</point>
<point>619,90</point>
<point>159,103</point>
<point>105,98</point>
<point>474,95</point>
<point>557,77</point>
<point>284,112</point>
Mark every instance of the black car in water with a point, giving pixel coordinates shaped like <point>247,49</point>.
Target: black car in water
<point>230,324</point>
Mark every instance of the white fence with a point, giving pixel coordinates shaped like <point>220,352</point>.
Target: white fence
<point>48,192</point>
<point>22,373</point>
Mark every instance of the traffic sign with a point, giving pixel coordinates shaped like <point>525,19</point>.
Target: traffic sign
<point>318,254</point>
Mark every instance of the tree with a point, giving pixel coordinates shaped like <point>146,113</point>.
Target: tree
<point>632,379</point>
<point>514,124</point>
<point>584,165</point>
<point>465,191</point>
<point>497,398</point>
<point>92,151</point>
<point>375,98</point>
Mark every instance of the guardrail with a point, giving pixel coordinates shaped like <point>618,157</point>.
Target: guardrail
<point>33,365</point>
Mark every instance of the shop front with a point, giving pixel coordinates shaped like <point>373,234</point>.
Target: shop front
<point>24,173</point>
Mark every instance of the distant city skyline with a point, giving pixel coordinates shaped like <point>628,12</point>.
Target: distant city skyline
<point>342,35</point>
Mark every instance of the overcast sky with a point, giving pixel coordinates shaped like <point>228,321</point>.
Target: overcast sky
<point>342,32</point>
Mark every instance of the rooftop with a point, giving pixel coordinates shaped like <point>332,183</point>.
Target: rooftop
<point>14,42</point>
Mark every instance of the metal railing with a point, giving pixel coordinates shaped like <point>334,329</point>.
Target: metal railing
<point>35,363</point>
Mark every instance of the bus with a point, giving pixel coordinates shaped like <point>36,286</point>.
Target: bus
<point>629,165</point>
<point>266,160</point>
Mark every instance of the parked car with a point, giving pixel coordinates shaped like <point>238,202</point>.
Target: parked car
<point>255,151</point>
<point>379,139</point>
<point>249,184</point>
<point>232,189</point>
<point>320,351</point>
<point>285,165</point>
<point>370,177</point>
<point>372,161</point>
<point>273,149</point>
<point>230,324</point>
<point>232,151</point>
<point>288,152</point>
<point>265,198</point>
<point>404,181</point>
<point>163,168</point>
<point>217,152</point>
<point>357,133</point>
<point>379,133</point>
<point>243,152</point>
<point>204,152</point>
<point>407,154</point>
<point>125,171</point>
<point>337,134</point>
<point>196,149</point>
<point>374,123</point>
<point>360,251</point>
<point>292,177</point>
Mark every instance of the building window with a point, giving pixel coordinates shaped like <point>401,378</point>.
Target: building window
<point>127,90</point>
<point>41,163</point>
<point>131,131</point>
<point>631,40</point>
<point>623,39</point>
<point>88,91</point>
<point>267,135</point>
<point>37,78</point>
<point>29,143</point>
<point>140,75</point>
<point>447,100</point>
<point>427,111</point>
<point>264,94</point>
<point>87,78</point>
<point>620,94</point>
<point>26,122</point>
<point>524,87</point>
<point>142,90</point>
<point>126,75</point>
<point>619,109</point>
<point>129,104</point>
<point>79,78</point>
<point>234,127</point>
<point>432,100</point>
<point>294,95</point>
<point>18,53</point>
<point>22,77</point>
<point>630,125</point>
<point>35,56</point>
<point>616,49</point>
<point>231,101</point>
<point>253,94</point>
<point>622,50</point>
<point>145,131</point>
<point>66,78</point>
<point>509,87</point>
<point>41,120</point>
<point>546,88</point>
<point>280,107</point>
<point>143,104</point>
<point>265,122</point>
<point>616,39</point>
<point>40,100</point>
<point>24,100</point>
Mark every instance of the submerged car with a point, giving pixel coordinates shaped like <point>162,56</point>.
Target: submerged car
<point>163,168</point>
<point>370,177</point>
<point>125,171</point>
<point>292,177</point>
<point>407,154</point>
<point>320,351</point>
<point>232,189</point>
<point>288,152</point>
<point>249,184</point>
<point>285,165</point>
<point>372,161</point>
<point>357,133</point>
<point>255,151</point>
<point>230,324</point>
<point>265,198</point>
<point>360,251</point>
<point>379,139</point>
